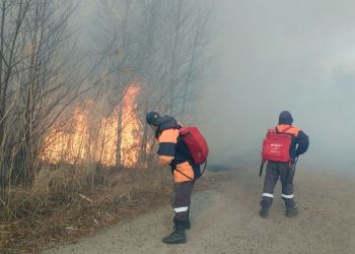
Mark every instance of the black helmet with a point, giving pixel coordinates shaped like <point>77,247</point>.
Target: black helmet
<point>285,117</point>
<point>153,118</point>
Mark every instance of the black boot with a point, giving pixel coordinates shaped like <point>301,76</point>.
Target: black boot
<point>264,212</point>
<point>177,236</point>
<point>291,211</point>
<point>187,224</point>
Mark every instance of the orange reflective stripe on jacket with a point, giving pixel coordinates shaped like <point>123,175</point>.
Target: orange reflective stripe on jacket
<point>169,136</point>
<point>168,139</point>
<point>293,130</point>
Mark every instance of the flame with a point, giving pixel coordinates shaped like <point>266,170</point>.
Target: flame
<point>130,129</point>
<point>74,143</point>
<point>107,140</point>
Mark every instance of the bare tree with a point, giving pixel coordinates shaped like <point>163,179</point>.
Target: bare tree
<point>171,52</point>
<point>158,44</point>
<point>115,45</point>
<point>37,80</point>
<point>13,14</point>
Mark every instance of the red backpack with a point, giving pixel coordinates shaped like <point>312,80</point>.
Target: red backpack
<point>276,146</point>
<point>196,143</point>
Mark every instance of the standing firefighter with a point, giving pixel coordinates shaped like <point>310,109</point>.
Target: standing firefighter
<point>172,151</point>
<point>281,148</point>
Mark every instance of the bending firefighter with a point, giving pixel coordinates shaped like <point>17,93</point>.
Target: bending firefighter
<point>284,169</point>
<point>172,151</point>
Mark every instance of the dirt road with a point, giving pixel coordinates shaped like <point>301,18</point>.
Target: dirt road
<point>225,220</point>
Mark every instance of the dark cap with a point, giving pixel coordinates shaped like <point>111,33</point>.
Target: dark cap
<point>153,118</point>
<point>285,117</point>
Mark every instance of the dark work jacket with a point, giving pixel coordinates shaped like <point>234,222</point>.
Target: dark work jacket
<point>300,140</point>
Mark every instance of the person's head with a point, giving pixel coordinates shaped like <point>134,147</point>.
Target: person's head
<point>153,118</point>
<point>285,117</point>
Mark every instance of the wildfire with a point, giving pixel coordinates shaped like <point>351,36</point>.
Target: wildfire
<point>130,129</point>
<point>77,142</point>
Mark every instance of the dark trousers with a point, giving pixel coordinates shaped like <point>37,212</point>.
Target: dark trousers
<point>274,171</point>
<point>181,201</point>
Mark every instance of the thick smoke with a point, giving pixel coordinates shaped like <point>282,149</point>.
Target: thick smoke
<point>283,55</point>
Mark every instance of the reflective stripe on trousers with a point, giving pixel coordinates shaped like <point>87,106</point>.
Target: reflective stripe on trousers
<point>181,200</point>
<point>274,172</point>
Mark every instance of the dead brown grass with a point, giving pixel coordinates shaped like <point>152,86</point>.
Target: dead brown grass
<point>66,204</point>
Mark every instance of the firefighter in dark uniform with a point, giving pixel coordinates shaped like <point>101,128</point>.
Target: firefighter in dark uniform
<point>172,151</point>
<point>284,170</point>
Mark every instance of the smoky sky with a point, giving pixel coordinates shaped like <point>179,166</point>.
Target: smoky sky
<point>282,55</point>
<point>270,56</point>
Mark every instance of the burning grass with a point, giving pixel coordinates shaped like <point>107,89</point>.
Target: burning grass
<point>65,204</point>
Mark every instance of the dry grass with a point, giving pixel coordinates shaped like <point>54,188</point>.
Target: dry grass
<point>66,204</point>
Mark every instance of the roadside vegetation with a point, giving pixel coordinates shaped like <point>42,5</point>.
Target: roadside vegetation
<point>71,209</point>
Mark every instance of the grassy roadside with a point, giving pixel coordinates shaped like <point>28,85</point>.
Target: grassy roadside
<point>67,215</point>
